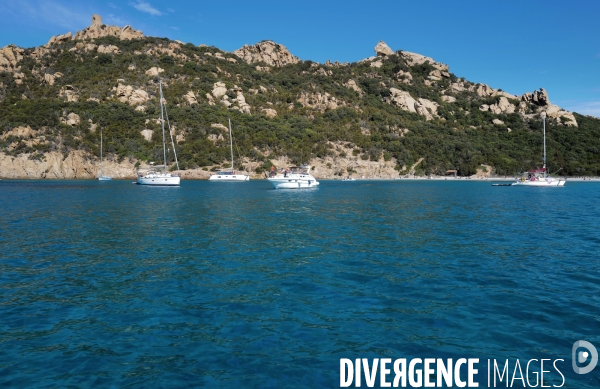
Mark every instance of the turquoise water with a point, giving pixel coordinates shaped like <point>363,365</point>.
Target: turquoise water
<point>109,284</point>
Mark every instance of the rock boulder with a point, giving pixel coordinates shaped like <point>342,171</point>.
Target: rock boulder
<point>99,30</point>
<point>273,54</point>
<point>59,39</point>
<point>9,57</point>
<point>382,49</point>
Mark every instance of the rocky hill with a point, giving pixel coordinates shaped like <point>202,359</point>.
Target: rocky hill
<point>392,114</point>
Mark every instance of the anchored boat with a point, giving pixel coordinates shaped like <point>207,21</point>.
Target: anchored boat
<point>294,177</point>
<point>540,177</point>
<point>158,175</point>
<point>229,175</point>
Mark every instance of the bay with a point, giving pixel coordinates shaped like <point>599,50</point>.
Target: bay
<point>110,284</point>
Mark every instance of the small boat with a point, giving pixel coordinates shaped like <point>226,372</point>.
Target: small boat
<point>158,175</point>
<point>229,175</point>
<point>539,177</point>
<point>102,177</point>
<point>294,177</point>
<point>349,179</point>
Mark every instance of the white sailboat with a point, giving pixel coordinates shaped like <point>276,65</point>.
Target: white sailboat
<point>102,177</point>
<point>158,175</point>
<point>540,177</point>
<point>229,175</point>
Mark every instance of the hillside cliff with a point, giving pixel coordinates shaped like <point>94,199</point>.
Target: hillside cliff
<point>376,117</point>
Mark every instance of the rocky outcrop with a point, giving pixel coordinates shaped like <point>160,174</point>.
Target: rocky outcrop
<point>147,134</point>
<point>69,93</point>
<point>59,39</point>
<point>219,126</point>
<point>154,71</point>
<point>401,99</point>
<point>382,49</point>
<point>561,116</point>
<point>99,30</point>
<point>406,102</point>
<point>502,106</point>
<point>50,78</point>
<point>126,94</point>
<point>426,108</point>
<point>72,119</point>
<point>483,171</point>
<point>376,64</point>
<point>241,103</point>
<point>437,75</point>
<point>336,64</point>
<point>211,99</point>
<point>269,52</point>
<point>335,166</point>
<point>109,49</point>
<point>484,90</point>
<point>404,77</point>
<point>24,132</point>
<point>220,92</point>
<point>190,98</point>
<point>86,47</point>
<point>54,165</point>
<point>10,57</point>
<point>418,59</point>
<point>138,97</point>
<point>352,85</point>
<point>214,137</point>
<point>269,112</point>
<point>320,101</point>
<point>18,77</point>
<point>540,99</point>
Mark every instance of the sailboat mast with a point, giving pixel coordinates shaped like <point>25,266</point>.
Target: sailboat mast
<point>100,145</point>
<point>544,120</point>
<point>162,117</point>
<point>231,144</point>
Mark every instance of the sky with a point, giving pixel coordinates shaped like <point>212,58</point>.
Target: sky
<point>514,45</point>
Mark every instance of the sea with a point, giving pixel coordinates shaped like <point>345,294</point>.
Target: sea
<point>238,285</point>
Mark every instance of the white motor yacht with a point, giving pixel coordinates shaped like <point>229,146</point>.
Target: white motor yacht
<point>294,177</point>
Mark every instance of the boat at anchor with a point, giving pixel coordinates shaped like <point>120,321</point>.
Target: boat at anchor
<point>539,177</point>
<point>294,177</point>
<point>158,175</point>
<point>229,175</point>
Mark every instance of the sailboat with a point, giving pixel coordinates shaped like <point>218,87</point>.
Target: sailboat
<point>102,177</point>
<point>158,175</point>
<point>540,176</point>
<point>229,175</point>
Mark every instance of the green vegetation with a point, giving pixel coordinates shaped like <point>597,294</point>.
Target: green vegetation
<point>460,137</point>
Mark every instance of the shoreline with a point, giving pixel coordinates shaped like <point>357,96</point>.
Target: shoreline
<point>459,179</point>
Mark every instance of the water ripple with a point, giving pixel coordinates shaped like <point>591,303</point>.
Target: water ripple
<point>114,285</point>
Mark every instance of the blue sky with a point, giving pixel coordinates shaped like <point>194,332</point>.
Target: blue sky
<point>517,46</point>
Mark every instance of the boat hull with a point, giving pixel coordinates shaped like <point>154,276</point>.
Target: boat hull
<point>541,183</point>
<point>229,178</point>
<point>159,181</point>
<point>104,178</point>
<point>293,183</point>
